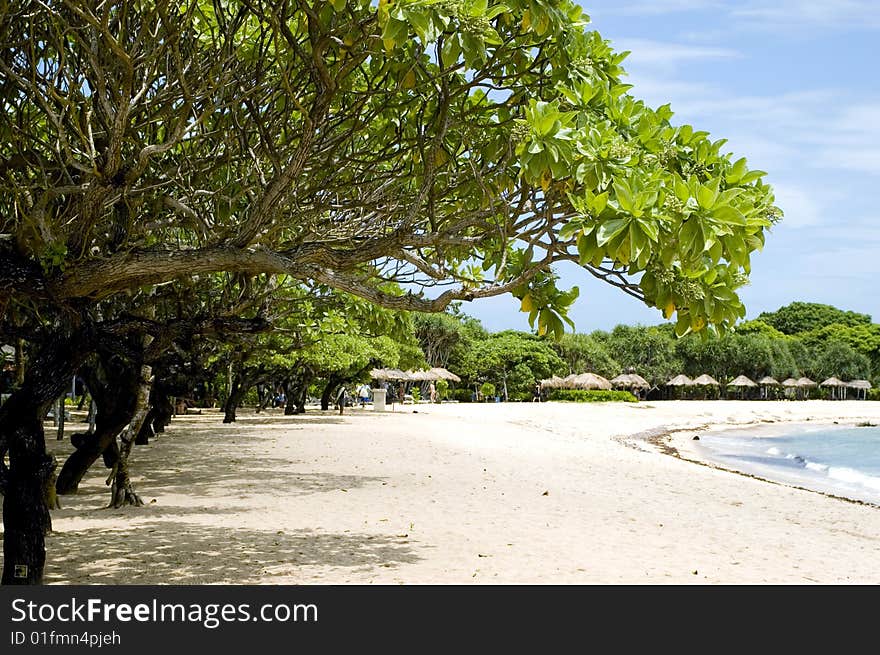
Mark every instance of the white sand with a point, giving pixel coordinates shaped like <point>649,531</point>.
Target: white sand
<point>513,493</point>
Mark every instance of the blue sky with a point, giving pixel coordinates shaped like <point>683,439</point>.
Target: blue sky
<point>794,85</point>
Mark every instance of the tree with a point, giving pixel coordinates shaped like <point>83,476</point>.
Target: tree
<point>799,317</point>
<point>840,360</point>
<point>458,148</point>
<point>582,353</point>
<point>651,351</point>
<point>512,361</point>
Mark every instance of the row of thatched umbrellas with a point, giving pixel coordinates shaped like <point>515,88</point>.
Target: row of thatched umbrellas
<point>593,381</point>
<point>742,382</point>
<point>437,373</point>
<point>633,381</point>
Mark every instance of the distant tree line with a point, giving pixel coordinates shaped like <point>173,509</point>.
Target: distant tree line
<point>801,339</point>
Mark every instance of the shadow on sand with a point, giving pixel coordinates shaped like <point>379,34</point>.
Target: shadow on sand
<point>174,552</point>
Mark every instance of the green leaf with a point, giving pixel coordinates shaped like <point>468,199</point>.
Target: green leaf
<point>706,195</point>
<point>737,171</point>
<point>728,214</point>
<point>624,195</point>
<point>610,229</point>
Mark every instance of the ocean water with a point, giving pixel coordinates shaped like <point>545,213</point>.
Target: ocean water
<point>840,460</point>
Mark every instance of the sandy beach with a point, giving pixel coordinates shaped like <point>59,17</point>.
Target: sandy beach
<point>516,493</point>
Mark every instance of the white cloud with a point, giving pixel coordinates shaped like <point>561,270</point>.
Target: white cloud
<point>777,16</point>
<point>660,7</point>
<point>801,206</point>
<point>660,54</point>
<point>801,14</point>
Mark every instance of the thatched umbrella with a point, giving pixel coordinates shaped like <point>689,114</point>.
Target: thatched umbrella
<point>568,382</point>
<point>860,385</point>
<point>743,383</point>
<point>639,382</point>
<point>836,385</point>
<point>791,387</point>
<point>591,381</point>
<point>630,380</point>
<point>803,384</point>
<point>443,374</point>
<point>555,382</point>
<point>389,374</point>
<point>768,381</point>
<point>679,381</point>
<point>706,380</point>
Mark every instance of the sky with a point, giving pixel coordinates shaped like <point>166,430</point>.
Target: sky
<point>794,86</point>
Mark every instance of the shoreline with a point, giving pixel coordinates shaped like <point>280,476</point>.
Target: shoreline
<point>663,441</point>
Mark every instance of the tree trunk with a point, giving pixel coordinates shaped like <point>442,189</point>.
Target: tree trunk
<point>62,410</point>
<point>290,406</point>
<point>93,410</point>
<point>333,383</point>
<point>25,482</point>
<point>236,395</point>
<point>163,410</point>
<point>301,395</point>
<point>20,363</point>
<point>122,492</point>
<point>145,433</point>
<point>114,388</point>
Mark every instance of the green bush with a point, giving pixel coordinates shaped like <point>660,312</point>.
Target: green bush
<point>462,395</point>
<point>487,389</point>
<point>442,388</point>
<point>416,394</point>
<point>591,396</point>
<point>873,394</point>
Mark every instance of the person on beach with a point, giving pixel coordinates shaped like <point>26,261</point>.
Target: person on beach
<point>433,391</point>
<point>341,399</point>
<point>537,392</point>
<point>364,394</point>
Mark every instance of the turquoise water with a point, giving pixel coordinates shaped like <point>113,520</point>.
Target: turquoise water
<point>841,460</point>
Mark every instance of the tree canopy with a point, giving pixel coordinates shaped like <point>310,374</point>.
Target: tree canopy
<point>461,147</point>
<point>806,316</point>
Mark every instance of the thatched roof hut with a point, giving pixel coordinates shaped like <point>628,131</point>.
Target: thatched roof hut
<point>591,381</point>
<point>769,381</point>
<point>742,383</point>
<point>630,381</point>
<point>680,381</point>
<point>442,374</point>
<point>706,380</point>
<point>388,374</point>
<point>805,382</point>
<point>838,387</point>
<point>861,386</point>
<point>554,382</point>
<point>789,382</point>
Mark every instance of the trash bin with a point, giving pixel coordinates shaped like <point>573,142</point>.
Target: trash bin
<point>379,400</point>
